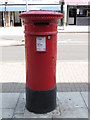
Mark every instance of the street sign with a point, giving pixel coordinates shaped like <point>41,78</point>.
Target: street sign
<point>40,43</point>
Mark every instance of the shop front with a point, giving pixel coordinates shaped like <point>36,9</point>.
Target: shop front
<point>77,12</point>
<point>9,11</point>
<point>78,15</point>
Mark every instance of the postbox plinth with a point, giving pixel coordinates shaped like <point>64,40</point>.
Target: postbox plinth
<point>41,54</point>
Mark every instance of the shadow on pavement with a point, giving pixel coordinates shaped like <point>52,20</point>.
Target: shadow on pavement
<point>61,87</point>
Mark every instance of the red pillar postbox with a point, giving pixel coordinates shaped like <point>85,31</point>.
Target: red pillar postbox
<point>41,54</point>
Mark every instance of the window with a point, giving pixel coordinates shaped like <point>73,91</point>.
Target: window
<point>72,13</point>
<point>83,12</point>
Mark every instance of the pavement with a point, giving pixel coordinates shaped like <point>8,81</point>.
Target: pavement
<point>69,105</point>
<point>11,31</point>
<point>72,91</point>
<point>71,76</point>
<point>72,87</point>
<point>74,29</point>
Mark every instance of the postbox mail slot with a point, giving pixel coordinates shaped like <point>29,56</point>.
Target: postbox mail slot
<point>41,23</point>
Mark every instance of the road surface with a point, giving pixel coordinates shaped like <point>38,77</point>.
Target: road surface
<point>70,46</point>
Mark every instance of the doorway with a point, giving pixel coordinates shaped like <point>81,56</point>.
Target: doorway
<point>72,16</point>
<point>17,20</point>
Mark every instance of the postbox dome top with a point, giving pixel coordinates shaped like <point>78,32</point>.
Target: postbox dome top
<point>41,14</point>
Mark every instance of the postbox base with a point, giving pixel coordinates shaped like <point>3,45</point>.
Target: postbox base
<point>40,101</point>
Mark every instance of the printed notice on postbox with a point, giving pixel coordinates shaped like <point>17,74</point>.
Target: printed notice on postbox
<point>40,44</point>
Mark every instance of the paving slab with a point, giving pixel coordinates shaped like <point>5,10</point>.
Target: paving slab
<point>54,114</point>
<point>71,76</point>
<point>0,100</point>
<point>9,100</point>
<point>73,29</point>
<point>22,112</point>
<point>0,54</point>
<point>0,114</point>
<point>69,105</point>
<point>0,86</point>
<point>72,105</point>
<point>20,108</point>
<point>7,113</point>
<point>85,97</point>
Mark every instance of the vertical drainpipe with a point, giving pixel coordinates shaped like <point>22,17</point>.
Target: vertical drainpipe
<point>76,15</point>
<point>5,12</point>
<point>26,5</point>
<point>65,15</point>
<point>62,3</point>
<point>23,37</point>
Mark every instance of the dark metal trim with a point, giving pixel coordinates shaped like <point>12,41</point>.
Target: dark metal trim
<point>40,101</point>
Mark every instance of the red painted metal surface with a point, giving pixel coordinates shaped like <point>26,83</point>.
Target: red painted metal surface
<point>41,66</point>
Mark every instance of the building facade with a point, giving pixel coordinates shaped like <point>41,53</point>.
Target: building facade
<point>10,9</point>
<point>77,12</point>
